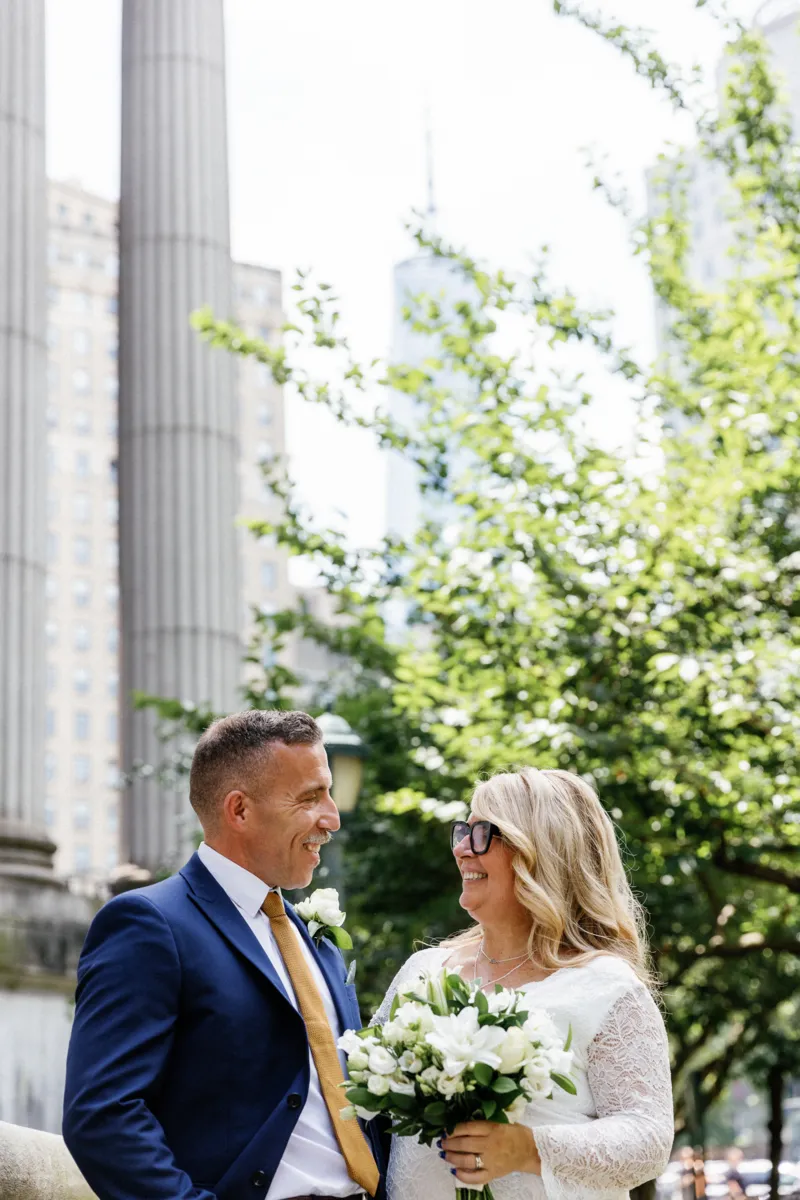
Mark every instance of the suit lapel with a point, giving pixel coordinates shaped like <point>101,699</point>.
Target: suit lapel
<point>220,910</point>
<point>330,963</point>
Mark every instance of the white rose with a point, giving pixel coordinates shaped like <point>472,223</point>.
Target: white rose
<point>351,1043</point>
<point>462,1042</point>
<point>412,1015</point>
<point>393,1032</point>
<point>357,1062</point>
<point>324,905</point>
<point>540,1028</point>
<point>378,1084</point>
<point>501,1002</point>
<point>449,1085</point>
<point>402,1086</point>
<point>410,1062</point>
<point>381,1062</point>
<point>516,1111</point>
<point>514,1049</point>
<point>561,1061</point>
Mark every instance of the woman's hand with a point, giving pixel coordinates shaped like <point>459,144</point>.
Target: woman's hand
<point>502,1149</point>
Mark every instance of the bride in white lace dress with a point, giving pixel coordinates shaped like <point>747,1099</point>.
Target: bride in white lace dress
<point>543,878</point>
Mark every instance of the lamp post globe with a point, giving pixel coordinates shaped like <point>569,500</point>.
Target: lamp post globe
<point>346,752</point>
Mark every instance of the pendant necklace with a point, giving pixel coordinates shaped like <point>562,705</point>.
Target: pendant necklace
<point>496,962</point>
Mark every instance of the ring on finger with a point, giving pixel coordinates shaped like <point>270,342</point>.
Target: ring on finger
<point>478,1163</point>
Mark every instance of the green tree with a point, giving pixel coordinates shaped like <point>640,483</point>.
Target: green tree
<point>627,614</point>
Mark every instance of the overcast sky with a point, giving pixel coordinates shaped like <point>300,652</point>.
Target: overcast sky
<point>326,114</point>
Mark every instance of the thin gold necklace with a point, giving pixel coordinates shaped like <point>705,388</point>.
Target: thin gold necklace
<point>499,961</point>
<point>499,979</point>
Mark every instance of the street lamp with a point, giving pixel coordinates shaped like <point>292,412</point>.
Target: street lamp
<point>346,752</point>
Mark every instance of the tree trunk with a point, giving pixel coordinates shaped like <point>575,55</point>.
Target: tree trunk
<point>775,1082</point>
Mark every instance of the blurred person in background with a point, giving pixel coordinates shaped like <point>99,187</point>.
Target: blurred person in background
<point>732,1177</point>
<point>693,1176</point>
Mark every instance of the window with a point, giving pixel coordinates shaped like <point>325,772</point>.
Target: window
<point>82,507</point>
<point>112,818</point>
<point>82,550</point>
<point>51,677</point>
<point>112,639</point>
<point>81,464</point>
<point>53,336</point>
<point>111,384</point>
<point>112,427</point>
<point>49,812</point>
<point>81,592</point>
<point>81,260</point>
<point>81,341</point>
<point>82,858</point>
<point>112,727</point>
<point>112,858</point>
<point>82,725</point>
<point>81,381</point>
<point>112,684</point>
<point>111,304</point>
<point>113,468</point>
<point>260,295</point>
<point>81,816</point>
<point>81,768</point>
<point>52,296</point>
<point>264,415</point>
<point>112,510</point>
<point>81,680</point>
<point>112,265</point>
<point>264,332</point>
<point>51,634</point>
<point>52,547</point>
<point>113,348</point>
<point>51,587</point>
<point>112,776</point>
<point>264,452</point>
<point>112,553</point>
<point>52,508</point>
<point>63,212</point>
<point>269,576</point>
<point>88,220</point>
<point>52,377</point>
<point>50,766</point>
<point>81,302</point>
<point>52,416</point>
<point>50,722</point>
<point>52,461</point>
<point>82,422</point>
<point>112,595</point>
<point>81,639</point>
<point>263,375</point>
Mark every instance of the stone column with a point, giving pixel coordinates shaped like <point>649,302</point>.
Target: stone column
<point>25,849</point>
<point>178,421</point>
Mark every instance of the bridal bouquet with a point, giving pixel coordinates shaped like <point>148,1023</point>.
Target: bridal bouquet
<point>450,1053</point>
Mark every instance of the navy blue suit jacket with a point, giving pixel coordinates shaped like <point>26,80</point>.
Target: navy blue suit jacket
<point>188,1065</point>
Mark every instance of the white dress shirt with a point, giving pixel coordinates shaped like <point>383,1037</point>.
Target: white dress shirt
<point>312,1163</point>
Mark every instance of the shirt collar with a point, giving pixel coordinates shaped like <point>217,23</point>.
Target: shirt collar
<point>246,890</point>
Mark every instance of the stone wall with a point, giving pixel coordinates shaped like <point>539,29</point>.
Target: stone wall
<point>38,1166</point>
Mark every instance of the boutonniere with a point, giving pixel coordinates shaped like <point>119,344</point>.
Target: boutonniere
<point>324,918</point>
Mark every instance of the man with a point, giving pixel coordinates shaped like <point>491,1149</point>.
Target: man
<point>202,1063</point>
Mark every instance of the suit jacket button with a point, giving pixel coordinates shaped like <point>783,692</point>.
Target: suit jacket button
<point>294,1100</point>
<point>259,1180</point>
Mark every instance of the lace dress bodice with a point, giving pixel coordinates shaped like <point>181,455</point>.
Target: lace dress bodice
<point>615,1134</point>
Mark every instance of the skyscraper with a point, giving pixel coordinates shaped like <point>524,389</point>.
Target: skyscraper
<point>80,717</point>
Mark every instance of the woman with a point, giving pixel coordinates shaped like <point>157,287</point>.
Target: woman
<point>543,879</point>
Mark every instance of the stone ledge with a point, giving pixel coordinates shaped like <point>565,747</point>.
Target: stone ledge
<point>38,1166</point>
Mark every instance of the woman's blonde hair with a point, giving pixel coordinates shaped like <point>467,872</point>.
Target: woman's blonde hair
<point>568,867</point>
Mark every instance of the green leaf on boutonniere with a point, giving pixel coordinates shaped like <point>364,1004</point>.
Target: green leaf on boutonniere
<point>340,936</point>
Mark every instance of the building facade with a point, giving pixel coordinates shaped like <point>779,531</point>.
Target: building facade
<point>82,713</point>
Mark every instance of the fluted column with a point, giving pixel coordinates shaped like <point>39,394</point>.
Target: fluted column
<point>24,847</point>
<point>178,420</point>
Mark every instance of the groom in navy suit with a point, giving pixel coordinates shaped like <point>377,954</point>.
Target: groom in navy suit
<point>190,1073</point>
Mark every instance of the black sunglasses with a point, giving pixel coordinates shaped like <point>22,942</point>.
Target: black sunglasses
<point>480,835</point>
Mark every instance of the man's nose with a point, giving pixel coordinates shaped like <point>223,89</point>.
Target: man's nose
<point>329,817</point>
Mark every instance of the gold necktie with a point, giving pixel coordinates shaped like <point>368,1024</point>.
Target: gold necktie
<point>352,1143</point>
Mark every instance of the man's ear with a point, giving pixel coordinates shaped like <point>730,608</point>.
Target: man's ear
<point>234,810</point>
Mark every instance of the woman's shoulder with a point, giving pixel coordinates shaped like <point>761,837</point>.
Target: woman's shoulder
<point>429,958</point>
<point>611,969</point>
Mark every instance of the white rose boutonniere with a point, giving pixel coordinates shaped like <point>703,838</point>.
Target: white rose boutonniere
<point>324,917</point>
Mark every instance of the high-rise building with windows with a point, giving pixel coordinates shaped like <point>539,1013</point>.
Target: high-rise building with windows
<point>81,718</point>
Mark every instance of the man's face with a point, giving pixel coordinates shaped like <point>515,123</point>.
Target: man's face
<point>289,814</point>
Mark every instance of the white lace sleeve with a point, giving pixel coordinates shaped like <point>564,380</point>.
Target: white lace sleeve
<point>630,1141</point>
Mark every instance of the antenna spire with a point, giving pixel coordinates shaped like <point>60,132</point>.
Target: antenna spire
<point>431,209</point>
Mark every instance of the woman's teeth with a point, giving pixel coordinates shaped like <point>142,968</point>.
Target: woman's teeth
<point>473,875</point>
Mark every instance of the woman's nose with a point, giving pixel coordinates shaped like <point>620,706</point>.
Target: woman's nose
<point>462,848</point>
